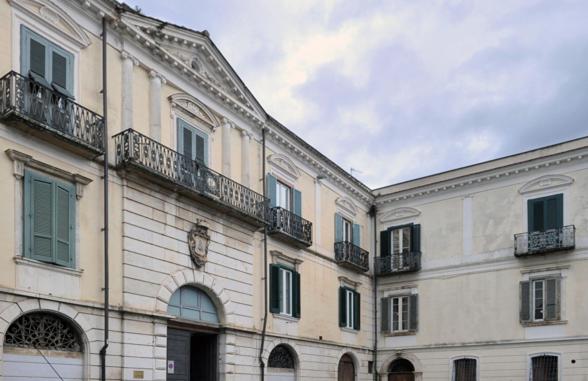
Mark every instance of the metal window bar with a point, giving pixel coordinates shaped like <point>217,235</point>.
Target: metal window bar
<point>285,221</point>
<point>137,149</point>
<point>539,242</point>
<point>544,368</point>
<point>464,370</point>
<point>406,261</point>
<point>346,253</point>
<point>46,109</point>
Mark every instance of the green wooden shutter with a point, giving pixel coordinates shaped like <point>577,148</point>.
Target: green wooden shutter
<point>185,140</point>
<point>271,190</point>
<point>385,303</point>
<point>413,314</point>
<point>552,296</point>
<point>356,235</point>
<point>553,212</point>
<point>342,307</point>
<point>297,202</point>
<point>356,310</point>
<point>415,238</point>
<point>525,312</point>
<point>39,212</point>
<point>385,243</point>
<point>64,224</point>
<point>295,294</point>
<point>338,227</point>
<point>275,289</point>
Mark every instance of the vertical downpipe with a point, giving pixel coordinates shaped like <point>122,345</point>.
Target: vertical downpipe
<point>265,214</point>
<point>372,212</point>
<point>105,228</point>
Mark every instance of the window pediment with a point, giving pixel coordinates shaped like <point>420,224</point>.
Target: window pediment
<point>546,182</point>
<point>195,109</point>
<point>347,205</point>
<point>284,165</point>
<point>400,214</point>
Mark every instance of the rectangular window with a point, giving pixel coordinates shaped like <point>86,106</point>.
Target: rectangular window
<point>544,368</point>
<point>46,62</point>
<point>464,369</point>
<point>286,295</point>
<point>49,219</point>
<point>545,213</point>
<point>540,300</point>
<point>400,240</point>
<point>192,142</point>
<point>347,231</point>
<point>284,291</point>
<point>349,308</point>
<point>400,314</point>
<point>283,196</point>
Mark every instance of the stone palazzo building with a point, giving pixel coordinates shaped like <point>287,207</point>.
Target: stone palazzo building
<point>158,224</point>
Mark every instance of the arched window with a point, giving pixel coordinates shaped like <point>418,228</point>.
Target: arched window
<point>43,331</point>
<point>346,370</point>
<point>192,303</point>
<point>401,370</point>
<point>544,368</point>
<point>281,357</point>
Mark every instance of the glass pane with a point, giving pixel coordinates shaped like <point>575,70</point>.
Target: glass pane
<point>396,237</point>
<point>406,239</point>
<point>288,290</point>
<point>404,313</point>
<point>190,297</point>
<point>395,314</point>
<point>175,299</point>
<point>190,314</point>
<point>538,300</point>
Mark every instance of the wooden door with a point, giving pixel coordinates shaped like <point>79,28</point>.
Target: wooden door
<point>401,377</point>
<point>346,370</point>
<point>178,355</point>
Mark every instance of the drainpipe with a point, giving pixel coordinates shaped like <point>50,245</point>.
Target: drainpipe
<point>372,213</point>
<point>265,213</point>
<point>105,228</point>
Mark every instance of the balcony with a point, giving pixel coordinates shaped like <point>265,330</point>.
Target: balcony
<point>41,110</point>
<point>548,241</point>
<point>405,262</point>
<point>351,256</point>
<point>174,171</point>
<point>290,227</point>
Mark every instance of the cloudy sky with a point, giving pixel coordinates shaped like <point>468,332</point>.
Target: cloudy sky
<point>398,89</point>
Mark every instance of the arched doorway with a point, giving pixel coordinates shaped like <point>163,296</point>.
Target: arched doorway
<point>40,346</point>
<point>281,364</point>
<point>401,370</point>
<point>346,370</point>
<point>192,338</point>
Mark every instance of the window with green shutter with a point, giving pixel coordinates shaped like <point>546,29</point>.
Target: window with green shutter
<point>545,213</point>
<point>284,291</point>
<point>46,62</point>
<point>400,314</point>
<point>49,219</point>
<point>192,142</point>
<point>349,308</point>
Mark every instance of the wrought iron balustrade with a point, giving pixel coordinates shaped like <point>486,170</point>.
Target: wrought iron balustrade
<point>404,262</point>
<point>287,223</point>
<point>539,242</point>
<point>350,255</point>
<point>45,109</point>
<point>136,149</point>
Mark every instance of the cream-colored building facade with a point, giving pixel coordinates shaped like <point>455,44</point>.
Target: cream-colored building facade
<point>234,247</point>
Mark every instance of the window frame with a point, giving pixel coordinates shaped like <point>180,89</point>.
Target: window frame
<point>286,294</point>
<point>534,196</point>
<point>533,301</point>
<point>196,131</point>
<point>531,356</point>
<point>400,299</point>
<point>454,360</point>
<point>347,230</point>
<point>280,185</point>
<point>349,309</point>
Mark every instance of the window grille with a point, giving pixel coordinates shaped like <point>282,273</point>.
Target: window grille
<point>43,331</point>
<point>281,357</point>
<point>544,368</point>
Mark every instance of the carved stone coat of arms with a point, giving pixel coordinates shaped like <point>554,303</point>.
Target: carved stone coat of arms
<point>198,240</point>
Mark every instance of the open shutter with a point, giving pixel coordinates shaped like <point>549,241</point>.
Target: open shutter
<point>297,202</point>
<point>356,235</point>
<point>338,228</point>
<point>64,225</point>
<point>275,289</point>
<point>385,243</point>
<point>271,190</point>
<point>525,313</point>
<point>413,314</point>
<point>552,296</point>
<point>40,217</point>
<point>356,310</point>
<point>415,238</point>
<point>200,148</point>
<point>185,140</point>
<point>295,294</point>
<point>342,307</point>
<point>385,315</point>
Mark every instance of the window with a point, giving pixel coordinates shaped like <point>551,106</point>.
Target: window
<point>349,308</point>
<point>192,304</point>
<point>46,62</point>
<point>400,314</point>
<point>283,196</point>
<point>192,143</point>
<point>49,219</point>
<point>464,369</point>
<point>545,213</point>
<point>346,230</point>
<point>400,248</point>
<point>540,300</point>
<point>544,368</point>
<point>284,291</point>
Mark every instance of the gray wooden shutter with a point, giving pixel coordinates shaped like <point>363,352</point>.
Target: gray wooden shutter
<point>295,294</point>
<point>185,140</point>
<point>275,286</point>
<point>200,149</point>
<point>37,57</point>
<point>356,310</point>
<point>297,202</point>
<point>40,209</point>
<point>385,243</point>
<point>552,296</point>
<point>356,235</point>
<point>271,190</point>
<point>525,312</point>
<point>413,314</point>
<point>342,307</point>
<point>64,224</point>
<point>385,302</point>
<point>338,227</point>
<point>59,70</point>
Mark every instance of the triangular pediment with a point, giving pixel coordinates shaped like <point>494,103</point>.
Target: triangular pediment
<point>400,214</point>
<point>284,165</point>
<point>347,205</point>
<point>546,182</point>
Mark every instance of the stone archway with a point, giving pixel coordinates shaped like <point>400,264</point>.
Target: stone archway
<point>346,368</point>
<point>401,370</point>
<point>282,364</point>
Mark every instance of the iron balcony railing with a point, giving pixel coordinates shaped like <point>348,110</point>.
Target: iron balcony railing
<point>290,225</point>
<point>349,255</point>
<point>540,242</point>
<point>404,262</point>
<point>138,150</point>
<point>45,109</point>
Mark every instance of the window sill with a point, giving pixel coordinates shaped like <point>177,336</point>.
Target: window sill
<point>543,323</point>
<point>349,330</point>
<point>285,317</point>
<point>47,266</point>
<point>403,333</point>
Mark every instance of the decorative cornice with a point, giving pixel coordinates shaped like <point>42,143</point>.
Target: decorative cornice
<point>347,205</point>
<point>155,75</point>
<point>546,182</point>
<point>126,55</point>
<point>344,281</point>
<point>279,256</point>
<point>400,214</point>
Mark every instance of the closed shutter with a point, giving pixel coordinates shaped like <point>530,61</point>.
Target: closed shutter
<point>200,148</point>
<point>297,201</point>
<point>545,213</point>
<point>185,140</point>
<point>415,238</point>
<point>37,57</point>
<point>338,228</point>
<point>385,302</point>
<point>413,315</point>
<point>275,290</point>
<point>64,218</point>
<point>525,313</point>
<point>356,310</point>
<point>342,307</point>
<point>552,296</point>
<point>295,294</point>
<point>356,235</point>
<point>385,243</point>
<point>40,230</point>
<point>271,190</point>
<point>59,70</point>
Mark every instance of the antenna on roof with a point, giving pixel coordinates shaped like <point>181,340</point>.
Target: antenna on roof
<point>351,170</point>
